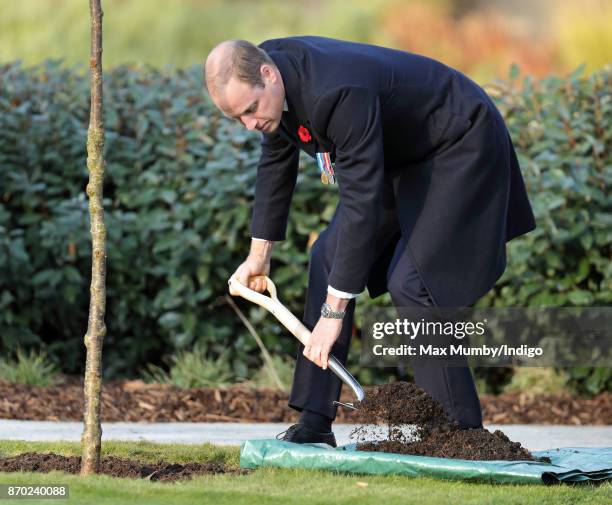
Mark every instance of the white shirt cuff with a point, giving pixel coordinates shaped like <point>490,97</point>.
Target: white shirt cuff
<point>260,239</point>
<point>341,294</point>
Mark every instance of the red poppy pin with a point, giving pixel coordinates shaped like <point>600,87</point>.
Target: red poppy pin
<point>304,134</point>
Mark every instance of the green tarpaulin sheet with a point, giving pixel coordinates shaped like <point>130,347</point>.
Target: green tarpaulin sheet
<point>570,464</point>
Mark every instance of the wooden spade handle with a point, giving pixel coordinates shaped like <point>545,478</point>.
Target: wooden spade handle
<point>293,324</point>
<point>272,304</point>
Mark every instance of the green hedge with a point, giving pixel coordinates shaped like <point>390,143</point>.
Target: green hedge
<point>563,133</point>
<point>178,194</point>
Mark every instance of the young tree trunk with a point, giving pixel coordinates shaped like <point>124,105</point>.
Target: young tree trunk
<point>91,439</point>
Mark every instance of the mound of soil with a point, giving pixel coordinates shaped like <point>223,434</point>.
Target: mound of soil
<point>431,433</point>
<point>399,403</point>
<point>113,466</point>
<point>473,444</point>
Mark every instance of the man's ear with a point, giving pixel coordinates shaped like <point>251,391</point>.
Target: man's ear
<point>267,73</point>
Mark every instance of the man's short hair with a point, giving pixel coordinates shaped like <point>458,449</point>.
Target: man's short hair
<point>247,61</point>
<point>245,64</point>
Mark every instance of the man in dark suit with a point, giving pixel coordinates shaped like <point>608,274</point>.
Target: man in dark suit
<point>430,191</point>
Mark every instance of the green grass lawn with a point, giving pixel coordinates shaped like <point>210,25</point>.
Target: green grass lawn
<point>275,485</point>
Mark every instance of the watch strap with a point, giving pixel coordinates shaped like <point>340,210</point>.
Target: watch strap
<point>326,311</point>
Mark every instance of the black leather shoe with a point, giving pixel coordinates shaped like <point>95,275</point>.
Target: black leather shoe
<point>302,434</point>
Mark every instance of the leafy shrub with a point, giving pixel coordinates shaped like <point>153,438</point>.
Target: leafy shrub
<point>32,368</point>
<point>538,380</point>
<point>192,369</point>
<point>178,195</point>
<point>264,378</point>
<point>561,130</point>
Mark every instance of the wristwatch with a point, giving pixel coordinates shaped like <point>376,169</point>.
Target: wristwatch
<point>326,311</point>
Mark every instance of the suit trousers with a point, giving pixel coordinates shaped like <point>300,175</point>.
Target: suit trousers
<point>316,389</point>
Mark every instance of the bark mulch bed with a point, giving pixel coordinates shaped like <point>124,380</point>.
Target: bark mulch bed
<point>113,466</point>
<point>136,401</point>
<point>403,403</point>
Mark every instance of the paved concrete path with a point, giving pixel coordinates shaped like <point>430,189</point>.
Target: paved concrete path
<point>533,437</point>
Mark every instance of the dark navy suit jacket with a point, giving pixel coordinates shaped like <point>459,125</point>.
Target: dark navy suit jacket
<point>382,113</point>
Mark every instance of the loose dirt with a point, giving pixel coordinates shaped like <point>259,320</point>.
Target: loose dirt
<point>431,433</point>
<point>135,401</point>
<point>113,466</point>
